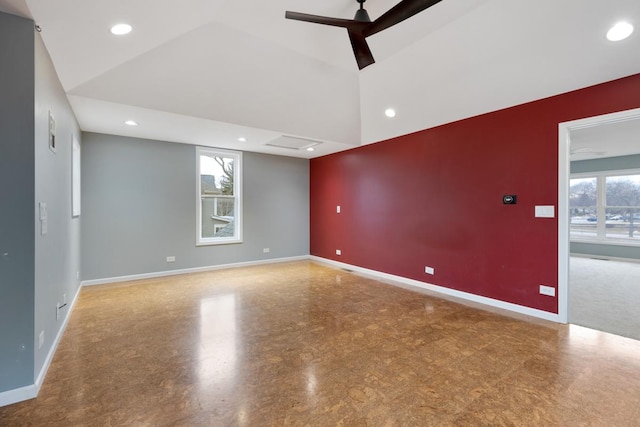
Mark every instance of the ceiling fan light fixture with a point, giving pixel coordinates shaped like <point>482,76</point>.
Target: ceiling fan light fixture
<point>121,29</point>
<point>619,31</point>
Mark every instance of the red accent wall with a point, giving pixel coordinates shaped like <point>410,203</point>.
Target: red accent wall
<point>434,198</point>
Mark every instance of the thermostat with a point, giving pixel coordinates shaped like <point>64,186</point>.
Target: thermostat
<point>509,199</point>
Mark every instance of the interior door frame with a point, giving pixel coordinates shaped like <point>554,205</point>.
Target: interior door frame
<point>564,171</point>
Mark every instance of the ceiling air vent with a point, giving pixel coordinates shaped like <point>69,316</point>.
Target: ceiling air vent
<point>292,143</point>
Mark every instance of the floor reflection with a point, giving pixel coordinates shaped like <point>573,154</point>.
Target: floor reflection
<point>218,341</point>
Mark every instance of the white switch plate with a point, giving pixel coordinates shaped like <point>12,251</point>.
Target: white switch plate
<point>266,250</point>
<point>43,210</point>
<point>338,209</point>
<point>545,211</point>
<point>338,252</point>
<point>171,259</point>
<point>547,290</point>
<point>40,340</point>
<point>44,226</point>
<point>429,270</point>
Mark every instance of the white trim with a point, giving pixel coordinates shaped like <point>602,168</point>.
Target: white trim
<point>237,195</point>
<point>604,257</point>
<point>54,347</point>
<point>564,144</point>
<point>190,270</point>
<point>16,395</point>
<point>609,242</point>
<point>31,391</point>
<point>605,173</point>
<point>442,290</point>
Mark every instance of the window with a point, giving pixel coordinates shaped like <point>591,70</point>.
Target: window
<point>605,207</point>
<point>219,206</point>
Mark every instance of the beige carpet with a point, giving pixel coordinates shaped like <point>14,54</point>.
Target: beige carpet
<point>605,295</point>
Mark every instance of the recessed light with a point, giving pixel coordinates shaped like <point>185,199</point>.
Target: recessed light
<point>242,139</point>
<point>121,29</point>
<point>131,123</point>
<point>390,112</point>
<point>620,31</point>
<point>311,149</point>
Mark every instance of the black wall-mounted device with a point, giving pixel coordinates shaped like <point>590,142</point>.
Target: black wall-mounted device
<point>509,199</point>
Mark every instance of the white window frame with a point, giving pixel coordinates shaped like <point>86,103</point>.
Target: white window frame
<point>601,192</point>
<point>237,192</point>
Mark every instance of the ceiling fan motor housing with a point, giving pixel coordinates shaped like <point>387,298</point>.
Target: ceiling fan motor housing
<point>361,14</point>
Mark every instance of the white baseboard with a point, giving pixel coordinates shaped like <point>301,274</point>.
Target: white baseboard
<point>18,395</point>
<point>31,391</point>
<point>189,270</point>
<point>52,351</point>
<point>445,291</point>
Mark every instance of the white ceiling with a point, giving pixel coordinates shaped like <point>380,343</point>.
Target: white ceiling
<point>606,140</point>
<point>208,71</point>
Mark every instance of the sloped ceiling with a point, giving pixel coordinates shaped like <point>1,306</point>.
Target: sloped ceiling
<point>209,71</point>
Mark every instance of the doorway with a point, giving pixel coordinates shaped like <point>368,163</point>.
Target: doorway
<point>568,130</point>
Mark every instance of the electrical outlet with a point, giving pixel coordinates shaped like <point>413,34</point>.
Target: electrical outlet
<point>338,252</point>
<point>40,340</point>
<point>77,275</point>
<point>266,250</point>
<point>429,270</point>
<point>547,290</point>
<point>171,259</point>
<point>64,299</point>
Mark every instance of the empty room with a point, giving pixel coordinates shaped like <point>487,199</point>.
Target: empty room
<point>344,212</point>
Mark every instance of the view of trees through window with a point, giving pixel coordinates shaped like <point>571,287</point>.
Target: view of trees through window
<point>605,207</point>
<point>218,198</point>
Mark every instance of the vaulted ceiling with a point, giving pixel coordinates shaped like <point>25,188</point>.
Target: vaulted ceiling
<point>210,71</point>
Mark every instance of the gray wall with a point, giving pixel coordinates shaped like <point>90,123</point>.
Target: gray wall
<point>598,165</point>
<point>57,254</point>
<point>16,202</point>
<point>139,206</point>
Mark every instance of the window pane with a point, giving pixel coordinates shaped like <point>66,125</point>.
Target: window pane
<point>623,226</point>
<point>623,207</point>
<point>217,175</point>
<point>582,208</point>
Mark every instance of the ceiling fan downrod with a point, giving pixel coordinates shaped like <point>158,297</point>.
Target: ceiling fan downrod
<point>361,14</point>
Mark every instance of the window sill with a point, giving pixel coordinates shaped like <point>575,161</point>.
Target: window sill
<point>632,244</point>
<point>218,242</point>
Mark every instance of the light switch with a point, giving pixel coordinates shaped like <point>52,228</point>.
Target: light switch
<point>545,211</point>
<point>43,211</point>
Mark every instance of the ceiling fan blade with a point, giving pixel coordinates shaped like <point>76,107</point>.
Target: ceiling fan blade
<point>325,20</point>
<point>361,50</point>
<point>403,10</point>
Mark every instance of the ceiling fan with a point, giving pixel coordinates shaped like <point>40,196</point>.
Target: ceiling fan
<point>361,26</point>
